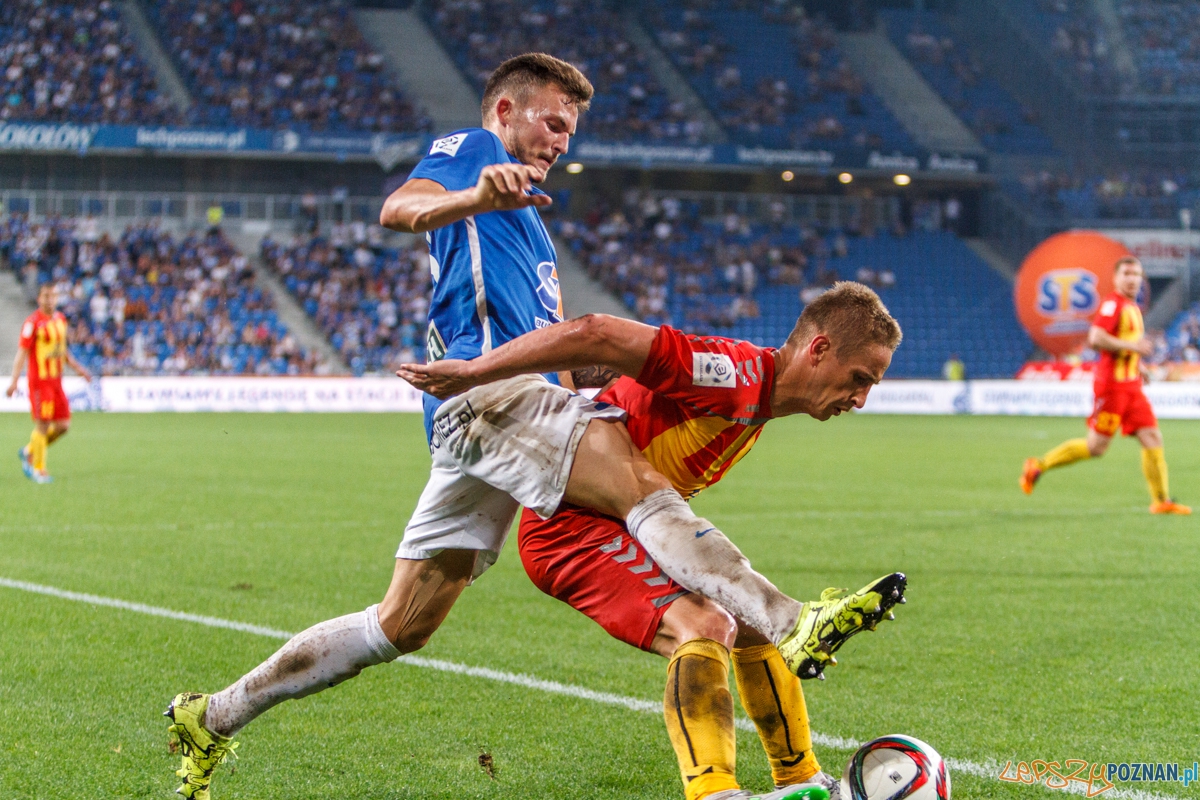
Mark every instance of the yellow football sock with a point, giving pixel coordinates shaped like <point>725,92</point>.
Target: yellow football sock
<point>1154,467</point>
<point>698,708</point>
<point>772,697</point>
<point>37,450</point>
<point>1068,452</point>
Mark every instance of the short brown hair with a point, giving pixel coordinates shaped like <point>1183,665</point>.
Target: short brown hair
<point>1123,260</point>
<point>852,316</point>
<point>521,73</point>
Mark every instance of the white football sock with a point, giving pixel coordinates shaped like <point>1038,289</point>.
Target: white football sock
<point>702,559</point>
<point>322,656</point>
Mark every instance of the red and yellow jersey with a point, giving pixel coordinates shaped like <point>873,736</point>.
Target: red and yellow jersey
<point>1121,317</point>
<point>698,405</point>
<point>45,337</point>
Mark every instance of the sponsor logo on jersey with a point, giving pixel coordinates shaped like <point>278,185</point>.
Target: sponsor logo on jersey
<point>548,291</point>
<point>714,370</point>
<point>448,145</point>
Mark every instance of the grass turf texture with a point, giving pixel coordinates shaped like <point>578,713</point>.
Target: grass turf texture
<point>1055,626</point>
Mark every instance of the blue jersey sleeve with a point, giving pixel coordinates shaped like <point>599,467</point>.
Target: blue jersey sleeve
<point>455,161</point>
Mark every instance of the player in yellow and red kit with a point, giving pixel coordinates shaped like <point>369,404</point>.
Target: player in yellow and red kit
<point>1117,333</point>
<point>43,345</point>
<point>695,408</point>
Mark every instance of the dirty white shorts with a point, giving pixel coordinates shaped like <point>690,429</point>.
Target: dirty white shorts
<point>496,448</point>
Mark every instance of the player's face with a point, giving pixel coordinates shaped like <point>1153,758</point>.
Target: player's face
<point>841,384</point>
<point>46,300</point>
<point>1128,280</point>
<point>541,125</point>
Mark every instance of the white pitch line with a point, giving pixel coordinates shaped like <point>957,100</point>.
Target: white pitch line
<point>991,769</point>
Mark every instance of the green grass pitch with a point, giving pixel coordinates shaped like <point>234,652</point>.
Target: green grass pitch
<point>1062,625</point>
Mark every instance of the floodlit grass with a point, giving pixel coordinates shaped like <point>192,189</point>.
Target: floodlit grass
<point>1062,625</point>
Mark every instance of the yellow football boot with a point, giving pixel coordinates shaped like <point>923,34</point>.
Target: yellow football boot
<point>826,624</point>
<point>202,750</point>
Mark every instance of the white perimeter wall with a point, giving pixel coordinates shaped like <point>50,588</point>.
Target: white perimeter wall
<point>1045,398</point>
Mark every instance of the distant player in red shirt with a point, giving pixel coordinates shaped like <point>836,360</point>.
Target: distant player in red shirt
<point>1117,333</point>
<point>43,345</point>
<point>697,406</point>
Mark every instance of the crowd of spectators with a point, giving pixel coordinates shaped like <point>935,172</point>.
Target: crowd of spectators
<point>149,303</point>
<point>1077,38</point>
<point>372,301</point>
<point>672,265</point>
<point>772,74</point>
<point>73,62</point>
<point>1131,194</point>
<point>1181,341</point>
<point>1165,38</point>
<point>630,104</point>
<point>1001,122</point>
<point>282,64</point>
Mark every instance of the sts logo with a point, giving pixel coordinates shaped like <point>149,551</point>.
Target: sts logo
<point>1060,286</point>
<point>548,291</point>
<point>1068,291</point>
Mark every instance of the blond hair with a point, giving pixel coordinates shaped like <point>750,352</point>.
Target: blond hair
<point>852,316</point>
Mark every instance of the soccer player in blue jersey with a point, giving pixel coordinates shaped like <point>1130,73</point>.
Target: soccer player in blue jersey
<point>524,441</point>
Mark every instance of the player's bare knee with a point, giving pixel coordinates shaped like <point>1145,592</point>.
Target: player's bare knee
<point>1098,449</point>
<point>650,481</point>
<point>695,617</point>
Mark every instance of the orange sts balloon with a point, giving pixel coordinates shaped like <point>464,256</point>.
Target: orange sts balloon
<point>1060,285</point>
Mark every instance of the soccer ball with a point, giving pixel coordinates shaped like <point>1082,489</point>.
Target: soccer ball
<point>895,767</point>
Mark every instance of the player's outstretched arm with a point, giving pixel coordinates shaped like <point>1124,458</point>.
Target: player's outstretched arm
<point>79,368</point>
<point>18,365</point>
<point>620,344</point>
<point>1100,339</point>
<point>422,205</point>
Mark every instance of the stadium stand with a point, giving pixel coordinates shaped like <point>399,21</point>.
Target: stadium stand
<point>773,76</point>
<point>149,303</point>
<point>371,301</point>
<point>1129,194</point>
<point>1183,336</point>
<point>287,64</point>
<point>1002,123</point>
<point>1166,41</point>
<point>74,62</point>
<point>630,105</point>
<point>749,278</point>
<point>1076,38</point>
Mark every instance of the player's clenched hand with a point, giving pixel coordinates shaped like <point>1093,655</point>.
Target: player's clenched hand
<point>11,390</point>
<point>506,187</point>
<point>441,379</point>
<point>1144,347</point>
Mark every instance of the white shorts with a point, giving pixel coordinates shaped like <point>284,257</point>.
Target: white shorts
<point>496,448</point>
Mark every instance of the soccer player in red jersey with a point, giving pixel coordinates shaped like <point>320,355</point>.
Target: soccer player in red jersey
<point>1117,333</point>
<point>697,406</point>
<point>43,345</point>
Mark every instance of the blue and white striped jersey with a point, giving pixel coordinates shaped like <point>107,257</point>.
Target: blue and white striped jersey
<point>494,275</point>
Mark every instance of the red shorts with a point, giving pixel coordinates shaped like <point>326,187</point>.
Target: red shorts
<point>48,402</point>
<point>1123,406</point>
<point>591,563</point>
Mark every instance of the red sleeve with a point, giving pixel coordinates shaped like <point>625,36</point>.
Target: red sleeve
<point>1109,315</point>
<point>725,377</point>
<point>27,330</point>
